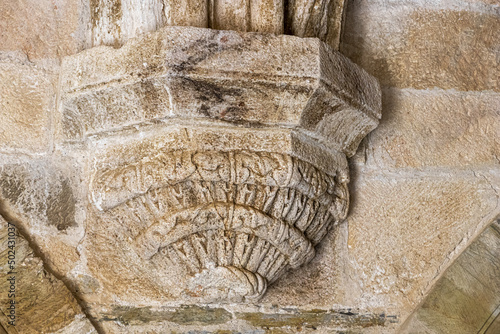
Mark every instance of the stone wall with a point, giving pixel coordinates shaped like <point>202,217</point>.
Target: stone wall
<point>428,177</point>
<point>423,186</point>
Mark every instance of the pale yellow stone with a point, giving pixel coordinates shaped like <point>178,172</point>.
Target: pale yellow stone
<point>325,273</point>
<point>424,47</point>
<point>256,148</point>
<point>466,297</point>
<point>267,172</point>
<point>405,228</point>
<point>267,16</point>
<point>322,19</point>
<point>80,325</point>
<point>43,304</point>
<point>194,13</point>
<point>42,28</point>
<point>113,22</point>
<point>27,99</point>
<point>436,128</point>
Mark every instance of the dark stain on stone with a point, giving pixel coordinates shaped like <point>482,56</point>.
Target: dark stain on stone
<point>214,98</point>
<point>61,207</point>
<point>184,315</point>
<point>12,188</point>
<point>203,48</point>
<point>150,98</point>
<point>313,319</point>
<point>95,12</point>
<point>114,13</point>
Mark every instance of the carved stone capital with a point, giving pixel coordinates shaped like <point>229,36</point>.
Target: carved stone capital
<point>217,159</point>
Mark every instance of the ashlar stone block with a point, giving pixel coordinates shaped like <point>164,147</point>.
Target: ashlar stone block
<point>27,97</point>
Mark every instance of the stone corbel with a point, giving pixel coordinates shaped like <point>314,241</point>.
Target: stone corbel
<point>217,160</point>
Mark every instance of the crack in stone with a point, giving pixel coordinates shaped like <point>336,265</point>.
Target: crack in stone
<point>9,217</point>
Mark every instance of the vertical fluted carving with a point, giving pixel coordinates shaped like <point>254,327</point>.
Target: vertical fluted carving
<point>316,18</point>
<point>115,21</point>
<point>248,15</point>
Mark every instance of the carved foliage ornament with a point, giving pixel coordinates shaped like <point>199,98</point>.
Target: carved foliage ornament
<point>232,166</point>
<point>235,220</point>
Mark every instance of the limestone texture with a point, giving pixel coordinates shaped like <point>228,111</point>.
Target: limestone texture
<point>27,100</point>
<point>415,134</point>
<point>466,298</point>
<point>123,120</point>
<point>425,45</point>
<point>430,220</point>
<point>438,65</point>
<point>196,179</point>
<point>216,177</point>
<point>113,22</point>
<point>42,303</point>
<point>42,29</point>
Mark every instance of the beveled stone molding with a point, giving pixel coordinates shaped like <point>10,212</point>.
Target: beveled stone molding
<point>245,78</point>
<point>217,159</point>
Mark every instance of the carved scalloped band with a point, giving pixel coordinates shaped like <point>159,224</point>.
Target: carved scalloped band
<point>258,212</point>
<point>115,185</point>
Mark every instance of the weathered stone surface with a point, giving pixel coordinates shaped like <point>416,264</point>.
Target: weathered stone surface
<point>189,319</point>
<point>407,225</point>
<point>325,273</point>
<point>425,45</point>
<point>494,327</point>
<point>405,228</point>
<point>194,13</point>
<point>419,131</point>
<point>205,194</point>
<point>189,72</point>
<point>27,99</point>
<point>467,296</point>
<point>45,199</point>
<point>113,22</point>
<point>254,203</point>
<point>42,28</point>
<point>242,15</point>
<point>80,325</point>
<point>212,209</point>
<point>322,19</point>
<point>43,304</point>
